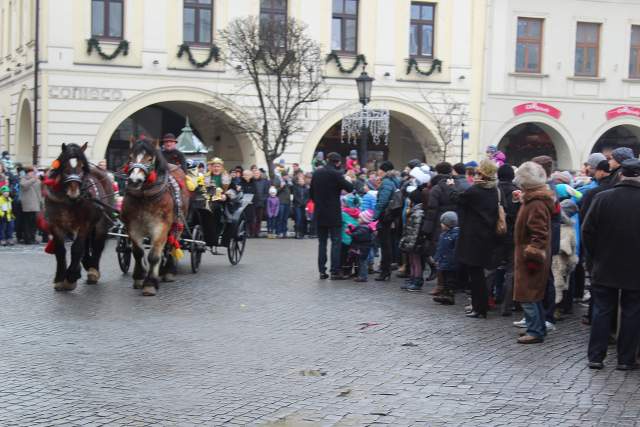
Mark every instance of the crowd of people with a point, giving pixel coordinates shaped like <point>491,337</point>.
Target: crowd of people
<point>530,239</point>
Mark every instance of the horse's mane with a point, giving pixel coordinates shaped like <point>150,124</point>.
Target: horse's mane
<point>148,146</point>
<point>70,151</point>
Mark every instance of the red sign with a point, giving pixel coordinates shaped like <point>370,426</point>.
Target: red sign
<point>536,107</point>
<point>623,111</point>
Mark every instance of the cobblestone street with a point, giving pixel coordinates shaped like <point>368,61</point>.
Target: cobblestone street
<point>266,342</point>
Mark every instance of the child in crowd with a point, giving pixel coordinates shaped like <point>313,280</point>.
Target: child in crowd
<point>563,264</point>
<point>350,214</point>
<point>6,217</point>
<point>273,207</point>
<point>445,257</point>
<point>411,240</point>
<point>362,239</point>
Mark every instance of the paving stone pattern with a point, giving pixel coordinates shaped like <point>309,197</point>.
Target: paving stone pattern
<point>265,342</point>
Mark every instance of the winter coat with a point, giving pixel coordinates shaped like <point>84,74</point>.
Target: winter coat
<point>300,195</point>
<point>369,201</point>
<point>6,208</point>
<point>585,203</point>
<point>284,191</point>
<point>352,164</point>
<point>349,218</point>
<point>477,218</point>
<point>532,238</point>
<point>563,264</point>
<point>363,236</point>
<point>273,206</point>
<point>411,241</point>
<point>439,203</point>
<point>248,187</point>
<point>30,194</point>
<point>261,192</point>
<point>611,237</point>
<point>326,185</point>
<point>390,183</point>
<point>445,256</point>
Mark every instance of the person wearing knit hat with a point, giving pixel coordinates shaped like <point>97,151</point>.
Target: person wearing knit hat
<point>592,162</point>
<point>420,176</point>
<point>532,257</point>
<point>362,240</point>
<point>445,258</point>
<point>413,163</point>
<point>563,177</point>
<point>495,155</point>
<point>618,156</point>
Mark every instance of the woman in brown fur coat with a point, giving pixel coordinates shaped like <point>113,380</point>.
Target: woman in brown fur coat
<point>532,258</point>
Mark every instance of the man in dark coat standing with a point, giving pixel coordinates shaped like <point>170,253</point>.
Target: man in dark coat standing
<point>326,186</point>
<point>611,236</point>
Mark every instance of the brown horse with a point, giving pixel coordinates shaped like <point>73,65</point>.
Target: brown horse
<point>76,195</point>
<point>154,207</point>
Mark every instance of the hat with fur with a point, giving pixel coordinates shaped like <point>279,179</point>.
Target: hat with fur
<point>488,169</point>
<point>530,175</point>
<point>420,176</point>
<point>449,218</point>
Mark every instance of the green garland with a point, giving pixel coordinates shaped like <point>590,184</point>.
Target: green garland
<point>93,43</point>
<point>436,64</point>
<point>214,54</point>
<point>333,56</point>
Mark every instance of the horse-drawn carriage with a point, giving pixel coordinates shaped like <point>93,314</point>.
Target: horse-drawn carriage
<point>220,224</point>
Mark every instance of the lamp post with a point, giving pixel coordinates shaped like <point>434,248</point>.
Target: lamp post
<point>364,83</point>
<point>462,143</point>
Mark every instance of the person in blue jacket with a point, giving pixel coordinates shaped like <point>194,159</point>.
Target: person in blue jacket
<point>386,225</point>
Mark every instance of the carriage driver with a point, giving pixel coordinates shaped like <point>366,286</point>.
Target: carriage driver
<point>171,153</point>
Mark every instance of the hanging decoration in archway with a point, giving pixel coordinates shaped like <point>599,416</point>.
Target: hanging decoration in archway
<point>375,121</point>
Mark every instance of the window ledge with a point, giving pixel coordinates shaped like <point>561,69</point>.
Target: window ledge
<point>200,70</point>
<point>529,75</point>
<point>635,80</point>
<point>586,79</point>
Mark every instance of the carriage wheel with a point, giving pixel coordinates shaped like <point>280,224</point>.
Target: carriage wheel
<point>123,249</point>
<point>195,249</point>
<point>237,244</point>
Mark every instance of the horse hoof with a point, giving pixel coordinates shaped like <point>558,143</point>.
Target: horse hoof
<point>93,276</point>
<point>65,285</point>
<point>169,277</point>
<point>149,291</point>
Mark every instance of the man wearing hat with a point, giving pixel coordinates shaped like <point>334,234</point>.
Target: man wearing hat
<point>216,177</point>
<point>171,153</point>
<point>611,237</point>
<point>618,156</point>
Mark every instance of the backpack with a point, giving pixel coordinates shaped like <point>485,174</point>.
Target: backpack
<point>393,210</point>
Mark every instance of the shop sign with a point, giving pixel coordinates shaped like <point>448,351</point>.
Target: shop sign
<point>623,111</point>
<point>85,93</point>
<point>537,107</point>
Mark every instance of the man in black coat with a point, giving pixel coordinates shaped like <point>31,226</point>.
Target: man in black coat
<point>611,236</point>
<point>326,186</point>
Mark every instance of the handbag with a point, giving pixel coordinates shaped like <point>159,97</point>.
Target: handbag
<point>501,224</point>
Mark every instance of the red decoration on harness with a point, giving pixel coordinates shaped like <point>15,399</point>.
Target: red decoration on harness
<point>55,164</point>
<point>172,241</point>
<point>53,183</point>
<point>152,177</point>
<point>125,169</point>
<point>180,183</point>
<point>51,247</point>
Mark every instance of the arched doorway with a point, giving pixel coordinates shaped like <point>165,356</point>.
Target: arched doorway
<point>618,136</point>
<point>164,110</point>
<point>411,135</point>
<point>24,136</point>
<point>158,119</point>
<point>526,141</point>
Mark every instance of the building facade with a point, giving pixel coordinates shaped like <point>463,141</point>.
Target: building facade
<point>561,78</point>
<point>112,69</point>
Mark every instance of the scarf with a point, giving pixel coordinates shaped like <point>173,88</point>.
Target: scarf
<point>483,182</point>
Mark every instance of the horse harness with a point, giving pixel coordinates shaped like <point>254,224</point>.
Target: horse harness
<point>157,189</point>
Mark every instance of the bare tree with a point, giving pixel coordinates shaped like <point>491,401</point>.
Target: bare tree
<point>284,67</point>
<point>449,115</point>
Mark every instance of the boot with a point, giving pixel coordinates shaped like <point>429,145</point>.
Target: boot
<point>446,298</point>
<point>408,282</point>
<point>416,286</point>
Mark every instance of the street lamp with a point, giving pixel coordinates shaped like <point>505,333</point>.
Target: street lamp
<point>364,83</point>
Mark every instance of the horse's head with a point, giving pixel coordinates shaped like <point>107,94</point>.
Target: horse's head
<point>145,163</point>
<point>71,168</point>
